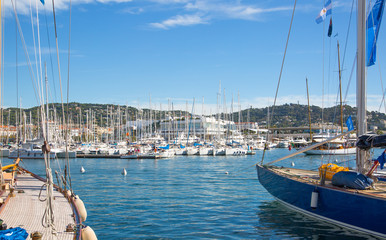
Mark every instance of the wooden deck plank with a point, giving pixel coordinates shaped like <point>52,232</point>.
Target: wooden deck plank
<point>312,177</point>
<point>26,210</point>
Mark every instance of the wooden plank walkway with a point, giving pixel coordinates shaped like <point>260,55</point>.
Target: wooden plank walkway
<point>26,210</point>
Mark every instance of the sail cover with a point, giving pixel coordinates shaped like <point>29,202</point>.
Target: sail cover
<point>351,180</point>
<point>368,141</point>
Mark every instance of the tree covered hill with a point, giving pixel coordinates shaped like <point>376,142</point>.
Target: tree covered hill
<point>287,115</point>
<point>295,115</point>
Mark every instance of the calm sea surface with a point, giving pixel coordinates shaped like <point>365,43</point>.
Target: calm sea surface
<point>190,198</point>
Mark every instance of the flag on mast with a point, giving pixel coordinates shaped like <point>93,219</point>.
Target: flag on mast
<point>373,24</point>
<point>330,28</point>
<point>349,123</point>
<point>324,12</point>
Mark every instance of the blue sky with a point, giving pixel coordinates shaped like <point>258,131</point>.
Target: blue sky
<point>126,51</point>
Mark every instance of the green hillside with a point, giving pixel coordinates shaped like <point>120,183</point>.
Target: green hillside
<point>287,115</point>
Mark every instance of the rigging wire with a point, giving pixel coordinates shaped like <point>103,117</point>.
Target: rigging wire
<point>344,53</point>
<point>48,217</point>
<point>39,78</point>
<point>348,31</point>
<point>25,53</point>
<point>50,53</point>
<point>68,92</point>
<point>323,37</point>
<point>60,78</point>
<point>17,86</point>
<point>1,90</point>
<point>281,71</point>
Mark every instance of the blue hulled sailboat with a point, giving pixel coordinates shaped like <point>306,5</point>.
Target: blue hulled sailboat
<point>359,204</point>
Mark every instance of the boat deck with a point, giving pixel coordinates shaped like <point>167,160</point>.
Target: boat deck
<point>25,210</point>
<point>313,177</point>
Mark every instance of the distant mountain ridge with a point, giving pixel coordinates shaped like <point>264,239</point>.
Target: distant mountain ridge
<point>287,115</point>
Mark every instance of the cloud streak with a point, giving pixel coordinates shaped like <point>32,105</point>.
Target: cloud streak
<point>23,6</point>
<point>236,10</point>
<point>204,12</point>
<point>190,12</point>
<point>179,20</point>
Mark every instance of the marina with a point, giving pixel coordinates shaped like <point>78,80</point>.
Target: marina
<point>192,197</point>
<point>158,121</point>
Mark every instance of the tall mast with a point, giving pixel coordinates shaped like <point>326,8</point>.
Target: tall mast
<point>47,112</point>
<point>361,81</point>
<point>309,110</point>
<point>340,92</point>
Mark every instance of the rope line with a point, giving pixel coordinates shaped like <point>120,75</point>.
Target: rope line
<point>281,71</point>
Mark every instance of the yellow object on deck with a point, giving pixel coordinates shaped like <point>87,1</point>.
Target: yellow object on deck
<point>330,169</point>
<point>13,166</point>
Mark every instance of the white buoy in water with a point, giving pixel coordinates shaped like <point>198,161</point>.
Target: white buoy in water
<point>292,164</point>
<point>226,172</point>
<point>314,199</point>
<point>82,169</point>
<point>336,160</point>
<point>124,173</point>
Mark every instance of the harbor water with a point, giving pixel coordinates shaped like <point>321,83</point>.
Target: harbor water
<point>191,197</point>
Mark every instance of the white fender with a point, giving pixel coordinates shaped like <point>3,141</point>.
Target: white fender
<point>88,234</point>
<point>81,208</point>
<point>314,199</point>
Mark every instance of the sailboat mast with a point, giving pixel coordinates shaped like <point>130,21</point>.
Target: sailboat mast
<point>361,81</point>
<point>309,110</point>
<point>47,112</point>
<point>340,92</point>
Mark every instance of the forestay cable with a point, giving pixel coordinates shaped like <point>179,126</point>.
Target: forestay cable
<point>281,71</point>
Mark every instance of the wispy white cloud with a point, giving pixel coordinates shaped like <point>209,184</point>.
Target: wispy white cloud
<point>235,10</point>
<point>133,10</point>
<point>23,6</point>
<point>114,1</point>
<point>170,1</point>
<point>19,64</point>
<point>202,12</point>
<point>179,20</point>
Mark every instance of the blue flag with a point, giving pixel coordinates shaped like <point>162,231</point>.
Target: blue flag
<point>372,28</point>
<point>324,12</point>
<point>382,159</point>
<point>350,125</point>
<point>42,1</point>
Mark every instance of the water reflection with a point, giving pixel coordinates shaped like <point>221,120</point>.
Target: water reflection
<point>288,224</point>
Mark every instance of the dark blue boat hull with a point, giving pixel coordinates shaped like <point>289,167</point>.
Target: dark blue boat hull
<point>352,210</point>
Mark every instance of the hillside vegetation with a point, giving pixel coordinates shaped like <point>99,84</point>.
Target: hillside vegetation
<point>287,115</point>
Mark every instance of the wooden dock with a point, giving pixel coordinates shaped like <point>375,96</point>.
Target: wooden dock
<point>25,210</point>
